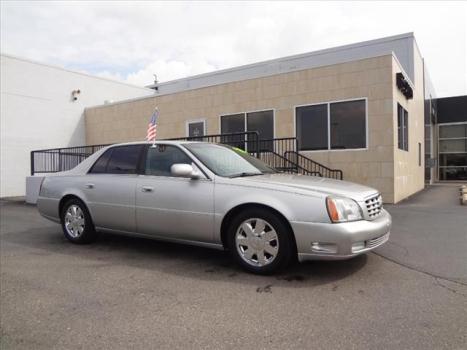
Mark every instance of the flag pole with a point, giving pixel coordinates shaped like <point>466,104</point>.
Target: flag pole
<point>156,112</point>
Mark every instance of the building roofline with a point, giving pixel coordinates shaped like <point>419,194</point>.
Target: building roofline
<point>142,98</point>
<point>291,57</point>
<point>28,60</point>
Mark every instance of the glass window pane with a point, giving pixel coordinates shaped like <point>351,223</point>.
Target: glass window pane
<point>453,159</point>
<point>453,145</point>
<point>100,165</point>
<point>406,130</point>
<point>453,173</point>
<point>196,129</point>
<point>402,128</point>
<point>225,161</point>
<point>312,127</point>
<point>160,159</point>
<point>124,160</point>
<point>348,125</point>
<point>232,124</point>
<point>450,131</point>
<point>263,123</point>
<point>400,122</point>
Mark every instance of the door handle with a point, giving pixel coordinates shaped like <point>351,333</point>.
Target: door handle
<point>147,189</point>
<point>89,185</point>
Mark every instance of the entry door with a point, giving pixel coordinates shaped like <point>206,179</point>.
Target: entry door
<point>196,128</point>
<point>110,187</point>
<point>173,207</point>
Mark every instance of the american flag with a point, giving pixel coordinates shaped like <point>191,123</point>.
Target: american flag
<point>152,127</point>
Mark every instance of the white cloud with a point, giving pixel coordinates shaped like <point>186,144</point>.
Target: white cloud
<point>133,40</point>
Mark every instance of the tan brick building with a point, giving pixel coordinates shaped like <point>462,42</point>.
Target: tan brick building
<point>359,108</point>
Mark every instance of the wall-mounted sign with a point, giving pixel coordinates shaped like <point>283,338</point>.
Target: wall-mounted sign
<point>404,86</point>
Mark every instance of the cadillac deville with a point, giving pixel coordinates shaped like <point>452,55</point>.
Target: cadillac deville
<point>215,196</point>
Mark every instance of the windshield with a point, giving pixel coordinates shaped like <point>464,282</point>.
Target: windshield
<point>228,161</point>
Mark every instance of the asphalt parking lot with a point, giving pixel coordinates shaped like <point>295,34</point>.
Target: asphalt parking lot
<point>121,292</point>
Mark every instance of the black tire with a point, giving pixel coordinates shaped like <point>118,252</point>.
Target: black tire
<point>285,248</point>
<point>88,234</point>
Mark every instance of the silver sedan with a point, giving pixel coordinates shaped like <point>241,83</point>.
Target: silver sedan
<point>215,196</point>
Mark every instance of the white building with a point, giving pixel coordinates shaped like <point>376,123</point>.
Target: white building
<point>42,107</point>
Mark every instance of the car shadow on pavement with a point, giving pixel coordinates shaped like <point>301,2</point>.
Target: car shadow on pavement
<point>111,250</point>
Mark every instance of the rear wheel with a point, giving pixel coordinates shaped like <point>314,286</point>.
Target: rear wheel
<point>76,222</point>
<point>260,241</point>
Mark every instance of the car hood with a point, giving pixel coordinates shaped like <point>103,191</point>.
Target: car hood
<point>299,183</point>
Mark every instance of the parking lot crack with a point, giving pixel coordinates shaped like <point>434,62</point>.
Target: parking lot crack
<point>436,277</point>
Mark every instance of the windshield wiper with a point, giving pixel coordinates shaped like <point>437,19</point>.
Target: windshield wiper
<point>244,174</point>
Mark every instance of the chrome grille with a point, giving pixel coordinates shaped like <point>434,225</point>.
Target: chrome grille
<point>376,241</point>
<point>374,206</point>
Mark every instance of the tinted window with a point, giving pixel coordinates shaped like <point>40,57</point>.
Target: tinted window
<point>348,129</point>
<point>232,124</point>
<point>263,123</point>
<point>402,128</point>
<point>160,159</point>
<point>312,127</point>
<point>101,164</point>
<point>124,160</point>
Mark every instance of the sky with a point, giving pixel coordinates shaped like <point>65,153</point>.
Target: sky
<point>131,41</point>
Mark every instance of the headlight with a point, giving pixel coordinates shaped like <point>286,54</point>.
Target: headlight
<point>342,209</point>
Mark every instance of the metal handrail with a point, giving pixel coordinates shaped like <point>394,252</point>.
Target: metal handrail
<point>280,153</point>
<point>312,165</point>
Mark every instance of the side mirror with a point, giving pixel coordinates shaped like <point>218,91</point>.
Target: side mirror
<point>184,170</point>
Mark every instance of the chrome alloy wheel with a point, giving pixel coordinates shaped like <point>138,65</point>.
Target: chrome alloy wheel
<point>74,221</point>
<point>257,242</point>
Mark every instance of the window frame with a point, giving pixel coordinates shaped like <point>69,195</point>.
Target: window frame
<point>182,149</point>
<point>193,121</point>
<point>404,128</point>
<point>328,103</point>
<point>245,117</point>
<point>440,167</point>
<point>139,164</point>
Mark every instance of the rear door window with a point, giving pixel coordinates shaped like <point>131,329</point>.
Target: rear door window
<point>100,165</point>
<point>119,160</point>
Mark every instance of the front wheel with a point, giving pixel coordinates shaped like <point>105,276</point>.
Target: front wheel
<point>260,241</point>
<point>76,222</point>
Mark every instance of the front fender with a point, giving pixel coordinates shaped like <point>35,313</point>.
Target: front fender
<point>293,206</point>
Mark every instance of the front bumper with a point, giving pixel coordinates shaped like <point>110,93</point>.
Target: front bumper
<point>326,241</point>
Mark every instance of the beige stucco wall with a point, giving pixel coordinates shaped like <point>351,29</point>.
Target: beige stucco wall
<point>371,78</point>
<point>408,171</point>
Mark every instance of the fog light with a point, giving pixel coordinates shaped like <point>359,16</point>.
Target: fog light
<point>357,246</point>
<point>320,247</point>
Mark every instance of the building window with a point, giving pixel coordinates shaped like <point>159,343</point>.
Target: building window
<point>312,127</point>
<point>260,121</point>
<point>402,128</point>
<point>348,124</point>
<point>332,126</point>
<point>196,128</point>
<point>453,151</point>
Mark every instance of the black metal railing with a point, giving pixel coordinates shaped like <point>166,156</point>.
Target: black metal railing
<point>247,141</point>
<point>313,166</point>
<point>284,165</point>
<point>279,153</point>
<point>60,159</point>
